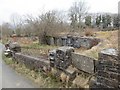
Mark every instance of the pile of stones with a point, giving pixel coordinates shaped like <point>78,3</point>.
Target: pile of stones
<point>61,57</point>
<point>108,70</point>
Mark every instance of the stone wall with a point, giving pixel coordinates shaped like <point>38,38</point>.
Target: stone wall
<point>65,56</point>
<point>108,70</point>
<point>83,63</point>
<point>31,62</point>
<point>41,64</point>
<point>73,41</point>
<point>61,57</point>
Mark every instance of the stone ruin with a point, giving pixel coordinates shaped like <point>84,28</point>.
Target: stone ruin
<point>83,63</point>
<point>107,70</point>
<point>72,41</point>
<point>61,58</point>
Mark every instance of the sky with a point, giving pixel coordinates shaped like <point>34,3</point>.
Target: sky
<point>35,7</point>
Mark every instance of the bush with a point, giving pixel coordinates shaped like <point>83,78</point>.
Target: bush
<point>89,32</point>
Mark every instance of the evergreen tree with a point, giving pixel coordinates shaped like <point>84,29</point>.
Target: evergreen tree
<point>88,20</point>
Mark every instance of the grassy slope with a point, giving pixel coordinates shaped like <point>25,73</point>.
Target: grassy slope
<point>39,78</point>
<point>109,39</point>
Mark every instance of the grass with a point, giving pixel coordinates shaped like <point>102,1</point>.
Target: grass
<point>40,79</point>
<point>109,39</point>
<point>39,46</point>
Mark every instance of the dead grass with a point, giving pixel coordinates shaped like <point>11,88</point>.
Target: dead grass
<point>40,79</point>
<point>109,39</point>
<point>89,32</point>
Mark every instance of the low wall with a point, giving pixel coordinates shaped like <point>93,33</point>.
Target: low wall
<point>31,62</point>
<point>108,70</point>
<point>40,64</point>
<point>83,63</point>
<point>73,41</point>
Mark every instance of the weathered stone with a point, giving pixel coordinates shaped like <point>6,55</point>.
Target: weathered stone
<point>116,70</point>
<point>85,42</point>
<point>109,75</point>
<point>73,41</point>
<point>61,57</point>
<point>64,41</point>
<point>59,41</point>
<point>32,62</point>
<point>52,55</point>
<point>100,86</point>
<point>107,82</point>
<point>76,43</point>
<point>69,40</point>
<point>15,47</point>
<point>71,72</point>
<point>83,63</point>
<point>110,55</point>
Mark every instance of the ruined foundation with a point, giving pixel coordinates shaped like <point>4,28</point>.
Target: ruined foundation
<point>108,70</point>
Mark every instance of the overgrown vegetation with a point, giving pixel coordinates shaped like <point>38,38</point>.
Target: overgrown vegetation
<point>109,39</point>
<point>75,19</point>
<point>39,78</point>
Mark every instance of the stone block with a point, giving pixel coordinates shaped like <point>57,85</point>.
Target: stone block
<point>107,82</point>
<point>83,63</point>
<point>64,41</point>
<point>110,55</point>
<point>59,41</point>
<point>76,43</point>
<point>61,57</point>
<point>71,72</point>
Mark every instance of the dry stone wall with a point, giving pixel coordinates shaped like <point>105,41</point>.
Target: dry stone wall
<point>73,41</point>
<point>32,62</point>
<point>108,70</point>
<point>61,57</point>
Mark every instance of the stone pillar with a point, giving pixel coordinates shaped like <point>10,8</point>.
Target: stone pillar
<point>107,70</point>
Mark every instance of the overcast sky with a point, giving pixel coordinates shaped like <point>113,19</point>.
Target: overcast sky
<point>34,7</point>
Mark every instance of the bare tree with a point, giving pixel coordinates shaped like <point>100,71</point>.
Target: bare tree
<point>6,29</point>
<point>16,21</point>
<point>77,13</point>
